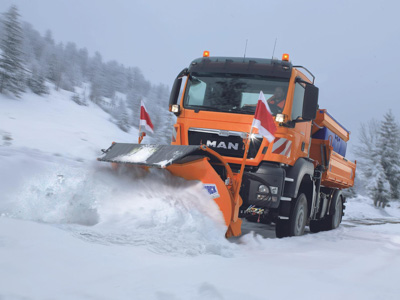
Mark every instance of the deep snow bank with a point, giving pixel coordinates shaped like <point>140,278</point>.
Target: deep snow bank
<point>130,206</point>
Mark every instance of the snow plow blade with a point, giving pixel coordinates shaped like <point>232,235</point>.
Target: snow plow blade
<point>189,162</point>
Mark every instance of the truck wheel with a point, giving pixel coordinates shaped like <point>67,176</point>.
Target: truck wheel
<point>334,218</point>
<point>336,212</point>
<point>298,218</point>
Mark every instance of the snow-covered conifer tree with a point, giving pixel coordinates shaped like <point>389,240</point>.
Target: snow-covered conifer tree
<point>390,152</point>
<point>48,37</point>
<point>123,116</point>
<point>369,157</point>
<point>162,118</point>
<point>11,68</point>
<point>36,82</point>
<point>380,191</point>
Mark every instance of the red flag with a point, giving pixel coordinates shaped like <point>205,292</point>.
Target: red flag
<point>263,119</point>
<point>145,118</point>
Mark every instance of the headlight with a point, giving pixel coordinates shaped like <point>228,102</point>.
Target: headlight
<point>263,189</point>
<point>280,118</point>
<point>175,108</point>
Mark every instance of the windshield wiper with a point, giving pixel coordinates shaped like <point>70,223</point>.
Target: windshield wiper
<point>246,108</point>
<point>202,107</point>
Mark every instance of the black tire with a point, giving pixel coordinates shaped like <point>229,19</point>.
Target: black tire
<point>334,218</point>
<point>297,221</point>
<point>299,216</point>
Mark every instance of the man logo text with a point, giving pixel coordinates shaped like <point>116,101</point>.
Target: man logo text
<point>233,146</point>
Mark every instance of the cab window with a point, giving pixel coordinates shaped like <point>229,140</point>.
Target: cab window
<point>298,99</point>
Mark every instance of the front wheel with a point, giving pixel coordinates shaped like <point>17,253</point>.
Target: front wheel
<point>297,221</point>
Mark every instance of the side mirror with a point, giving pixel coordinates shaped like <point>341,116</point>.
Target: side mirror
<point>310,104</point>
<point>176,88</point>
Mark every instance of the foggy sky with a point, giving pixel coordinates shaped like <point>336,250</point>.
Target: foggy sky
<point>351,47</point>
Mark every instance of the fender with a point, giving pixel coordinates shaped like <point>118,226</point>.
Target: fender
<point>301,168</point>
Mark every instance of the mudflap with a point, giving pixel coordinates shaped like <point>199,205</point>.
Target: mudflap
<point>188,162</point>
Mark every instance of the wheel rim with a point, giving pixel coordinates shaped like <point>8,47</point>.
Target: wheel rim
<point>299,221</point>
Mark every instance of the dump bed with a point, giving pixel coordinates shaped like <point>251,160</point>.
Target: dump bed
<point>328,148</point>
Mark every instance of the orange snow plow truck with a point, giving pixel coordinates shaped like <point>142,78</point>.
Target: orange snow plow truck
<point>294,181</point>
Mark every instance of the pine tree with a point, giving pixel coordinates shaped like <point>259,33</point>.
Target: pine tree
<point>390,153</point>
<point>380,192</point>
<point>370,170</point>
<point>11,68</point>
<point>123,117</point>
<point>36,82</point>
<point>160,116</point>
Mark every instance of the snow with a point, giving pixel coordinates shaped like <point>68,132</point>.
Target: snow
<point>137,155</point>
<point>73,228</point>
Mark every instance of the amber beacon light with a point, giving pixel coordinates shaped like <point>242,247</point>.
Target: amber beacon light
<point>285,57</point>
<point>206,53</point>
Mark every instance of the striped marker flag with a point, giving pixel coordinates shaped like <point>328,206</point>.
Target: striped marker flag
<point>145,118</point>
<point>263,119</point>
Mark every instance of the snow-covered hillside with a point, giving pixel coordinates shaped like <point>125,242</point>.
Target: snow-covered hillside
<point>71,228</point>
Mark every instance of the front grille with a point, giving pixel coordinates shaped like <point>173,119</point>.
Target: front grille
<point>231,145</point>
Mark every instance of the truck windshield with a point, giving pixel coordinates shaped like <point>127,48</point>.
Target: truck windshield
<point>234,93</point>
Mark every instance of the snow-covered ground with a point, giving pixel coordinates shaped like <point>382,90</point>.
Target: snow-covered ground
<point>71,228</point>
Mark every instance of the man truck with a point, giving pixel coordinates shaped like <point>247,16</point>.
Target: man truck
<point>294,181</point>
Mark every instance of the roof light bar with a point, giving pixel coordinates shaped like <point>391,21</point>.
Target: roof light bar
<point>285,57</point>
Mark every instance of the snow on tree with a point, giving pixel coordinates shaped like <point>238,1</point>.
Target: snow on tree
<point>11,67</point>
<point>37,83</point>
<point>390,152</point>
<point>49,37</point>
<point>380,192</point>
<point>367,152</point>
<point>160,116</point>
<point>123,116</point>
<point>79,99</point>
<point>97,78</point>
<point>369,167</point>
<point>52,65</point>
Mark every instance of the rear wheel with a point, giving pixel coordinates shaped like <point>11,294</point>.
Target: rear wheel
<point>333,220</point>
<point>336,212</point>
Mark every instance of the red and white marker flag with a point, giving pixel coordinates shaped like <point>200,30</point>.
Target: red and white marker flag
<point>263,119</point>
<point>145,118</point>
